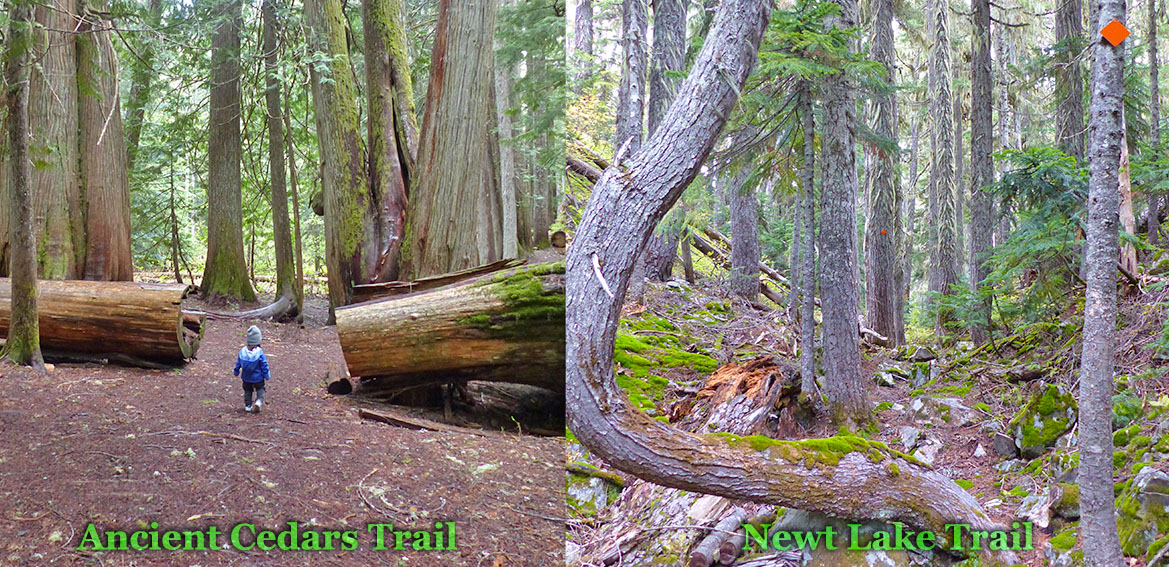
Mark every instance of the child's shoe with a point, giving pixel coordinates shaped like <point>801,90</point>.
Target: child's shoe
<point>259,406</point>
<point>248,409</point>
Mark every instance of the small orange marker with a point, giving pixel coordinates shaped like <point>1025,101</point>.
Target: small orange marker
<point>882,233</point>
<point>1114,32</point>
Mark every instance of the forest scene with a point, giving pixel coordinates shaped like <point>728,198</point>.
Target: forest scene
<point>872,266</point>
<point>358,204</point>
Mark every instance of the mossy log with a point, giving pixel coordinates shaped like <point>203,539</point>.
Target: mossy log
<point>502,327</point>
<point>372,291</point>
<point>115,320</point>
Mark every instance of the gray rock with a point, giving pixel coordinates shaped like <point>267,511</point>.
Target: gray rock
<point>921,354</point>
<point>1011,465</point>
<point>979,451</point>
<point>909,437</point>
<point>938,411</point>
<point>1036,509</point>
<point>884,378</point>
<point>928,452</point>
<point>1059,558</point>
<point>1004,445</point>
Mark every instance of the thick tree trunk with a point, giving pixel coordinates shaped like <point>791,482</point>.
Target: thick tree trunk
<point>944,271</point>
<point>105,182</point>
<point>981,163</point>
<point>23,334</point>
<point>128,319</point>
<point>631,91</point>
<point>225,274</point>
<point>1154,221</point>
<point>281,225</point>
<point>669,52</point>
<point>454,219</point>
<point>807,268</point>
<point>744,274</point>
<point>838,243</point>
<point>1069,82</point>
<point>883,229</point>
<point>910,222</point>
<point>389,157</point>
<point>506,326</point>
<point>1106,141</point>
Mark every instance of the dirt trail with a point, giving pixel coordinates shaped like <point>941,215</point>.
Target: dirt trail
<point>118,446</point>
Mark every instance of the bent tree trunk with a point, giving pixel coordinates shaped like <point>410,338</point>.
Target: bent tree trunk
<point>618,222</point>
<point>504,327</point>
<point>112,319</point>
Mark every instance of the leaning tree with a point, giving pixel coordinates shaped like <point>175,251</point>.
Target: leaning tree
<point>867,483</point>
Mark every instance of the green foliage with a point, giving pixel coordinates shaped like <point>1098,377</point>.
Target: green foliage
<point>1031,272</point>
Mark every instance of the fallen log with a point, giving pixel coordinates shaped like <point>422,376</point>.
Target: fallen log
<point>719,257</point>
<point>710,548</point>
<point>122,321</point>
<point>501,327</point>
<point>372,291</point>
<point>767,270</point>
<point>417,423</point>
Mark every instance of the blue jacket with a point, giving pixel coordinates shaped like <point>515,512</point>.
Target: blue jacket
<point>253,364</point>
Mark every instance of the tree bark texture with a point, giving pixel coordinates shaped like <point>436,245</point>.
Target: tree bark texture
<point>883,229</point>
<point>390,128</point>
<point>583,40</point>
<point>669,53</point>
<point>454,220</point>
<point>23,334</point>
<point>981,162</point>
<point>507,162</point>
<point>225,273</point>
<point>281,225</point>
<point>138,320</point>
<point>942,176</point>
<point>744,273</point>
<point>1106,140</point>
<point>631,91</point>
<point>838,242</point>
<point>1153,223</point>
<point>79,183</point>
<point>807,268</point>
<point>1069,81</point>
<point>104,170</point>
<point>507,326</point>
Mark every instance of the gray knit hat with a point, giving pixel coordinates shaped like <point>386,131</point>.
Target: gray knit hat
<point>254,336</point>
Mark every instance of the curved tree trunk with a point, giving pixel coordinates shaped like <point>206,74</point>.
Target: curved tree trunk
<point>883,229</point>
<point>838,243</point>
<point>454,219</point>
<point>225,273</point>
<point>981,163</point>
<point>1106,141</point>
<point>619,220</point>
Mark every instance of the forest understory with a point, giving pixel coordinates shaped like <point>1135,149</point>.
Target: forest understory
<point>122,447</point>
<point>702,359</point>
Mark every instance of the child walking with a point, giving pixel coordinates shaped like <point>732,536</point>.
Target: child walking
<point>252,367</point>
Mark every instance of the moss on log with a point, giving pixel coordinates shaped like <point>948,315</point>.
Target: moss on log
<point>504,327</point>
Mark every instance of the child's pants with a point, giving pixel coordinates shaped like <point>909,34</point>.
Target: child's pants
<point>258,387</point>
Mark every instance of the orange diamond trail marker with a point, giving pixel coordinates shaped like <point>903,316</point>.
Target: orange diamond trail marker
<point>1114,32</point>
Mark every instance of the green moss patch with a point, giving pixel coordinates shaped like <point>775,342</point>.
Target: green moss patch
<point>1046,416</point>
<point>816,452</point>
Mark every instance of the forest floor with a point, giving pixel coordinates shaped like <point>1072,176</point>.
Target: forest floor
<point>123,447</point>
<point>681,350</point>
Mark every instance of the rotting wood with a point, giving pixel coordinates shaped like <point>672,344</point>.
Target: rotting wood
<point>501,327</point>
<point>719,257</point>
<point>124,321</point>
<point>767,270</point>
